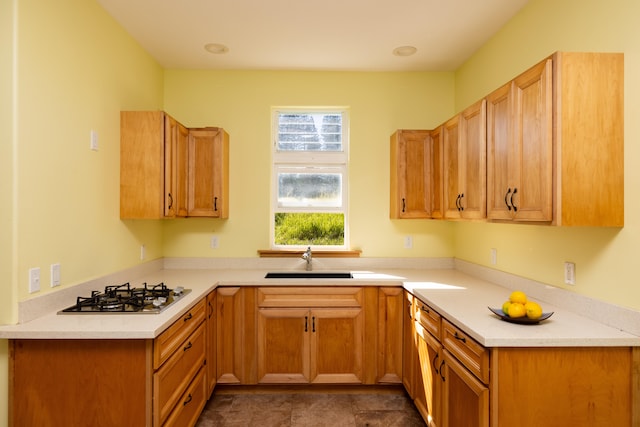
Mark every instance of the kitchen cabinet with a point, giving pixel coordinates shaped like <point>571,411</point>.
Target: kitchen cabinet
<point>140,382</point>
<point>464,164</point>
<point>178,360</point>
<point>310,336</point>
<point>152,165</point>
<point>389,331</point>
<point>556,143</point>
<point>236,335</point>
<point>411,174</point>
<point>459,382</point>
<point>208,173</point>
<point>169,171</point>
<point>212,375</point>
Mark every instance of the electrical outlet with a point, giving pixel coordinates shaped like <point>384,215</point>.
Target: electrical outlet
<point>34,279</point>
<point>408,242</point>
<point>143,252</point>
<point>93,144</point>
<point>55,275</point>
<point>494,256</point>
<point>214,242</point>
<point>570,273</point>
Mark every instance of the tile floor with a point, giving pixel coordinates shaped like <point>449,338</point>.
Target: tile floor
<point>271,407</point>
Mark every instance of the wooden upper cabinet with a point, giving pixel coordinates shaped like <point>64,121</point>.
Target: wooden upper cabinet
<point>520,147</point>
<point>556,143</point>
<point>144,140</point>
<point>411,176</point>
<point>208,173</point>
<point>464,163</point>
<point>168,170</point>
<point>589,137</point>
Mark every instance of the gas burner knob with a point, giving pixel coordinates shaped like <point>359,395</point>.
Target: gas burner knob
<point>159,301</point>
<point>178,290</point>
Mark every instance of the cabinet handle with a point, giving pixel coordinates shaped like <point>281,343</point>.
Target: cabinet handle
<point>170,200</point>
<point>441,370</point>
<point>425,309</point>
<point>210,309</point>
<point>403,205</point>
<point>187,400</point>
<point>188,317</point>
<point>188,346</point>
<point>215,204</point>
<point>409,309</point>
<point>458,337</point>
<point>306,322</point>
<point>457,204</point>
<point>461,197</point>
<point>515,208</point>
<point>505,198</point>
<point>433,363</point>
<point>313,324</point>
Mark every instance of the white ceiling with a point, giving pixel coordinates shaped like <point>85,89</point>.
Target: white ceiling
<point>312,35</point>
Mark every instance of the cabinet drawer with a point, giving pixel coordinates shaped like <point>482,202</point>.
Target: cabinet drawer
<point>428,318</point>
<point>175,334</point>
<point>189,407</point>
<point>471,354</point>
<point>339,296</point>
<point>170,381</point>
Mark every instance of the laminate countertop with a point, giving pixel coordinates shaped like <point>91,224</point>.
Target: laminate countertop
<point>457,296</point>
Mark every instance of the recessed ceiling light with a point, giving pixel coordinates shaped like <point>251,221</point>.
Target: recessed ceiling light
<point>404,51</point>
<point>216,48</point>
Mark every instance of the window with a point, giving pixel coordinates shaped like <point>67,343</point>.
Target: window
<point>309,187</point>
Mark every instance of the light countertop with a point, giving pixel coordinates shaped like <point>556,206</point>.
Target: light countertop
<point>461,298</point>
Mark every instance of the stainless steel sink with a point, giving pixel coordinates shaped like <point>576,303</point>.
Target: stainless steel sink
<point>309,275</point>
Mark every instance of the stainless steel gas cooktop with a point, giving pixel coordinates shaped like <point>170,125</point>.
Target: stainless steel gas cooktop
<point>123,299</point>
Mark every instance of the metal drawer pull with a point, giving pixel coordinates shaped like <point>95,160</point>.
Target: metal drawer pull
<point>188,346</point>
<point>306,323</point>
<point>188,317</point>
<point>458,337</point>
<point>425,309</point>
<point>187,400</point>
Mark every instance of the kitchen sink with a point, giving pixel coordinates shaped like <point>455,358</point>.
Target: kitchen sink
<point>309,275</point>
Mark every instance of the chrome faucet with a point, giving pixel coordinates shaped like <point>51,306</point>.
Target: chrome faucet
<point>307,256</point>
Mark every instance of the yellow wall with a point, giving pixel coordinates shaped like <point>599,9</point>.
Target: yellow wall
<point>241,101</point>
<point>75,69</point>
<point>606,259</point>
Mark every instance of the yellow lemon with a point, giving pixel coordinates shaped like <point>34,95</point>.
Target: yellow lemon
<point>518,296</point>
<point>516,310</point>
<point>505,307</point>
<point>533,309</point>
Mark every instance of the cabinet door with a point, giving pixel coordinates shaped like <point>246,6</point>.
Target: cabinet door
<point>532,156</point>
<point>472,170</point>
<point>390,303</point>
<point>409,344</point>
<point>437,189</point>
<point>410,174</point>
<point>428,382</point>
<point>337,345</point>
<point>235,335</point>
<point>208,173</point>
<point>283,345</point>
<point>211,374</point>
<point>499,146</point>
<point>181,173</point>
<point>465,400</point>
<point>450,166</point>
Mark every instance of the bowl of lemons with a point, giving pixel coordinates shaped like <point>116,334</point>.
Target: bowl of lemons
<point>518,309</point>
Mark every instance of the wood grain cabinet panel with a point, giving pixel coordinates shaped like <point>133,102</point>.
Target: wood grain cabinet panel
<point>411,174</point>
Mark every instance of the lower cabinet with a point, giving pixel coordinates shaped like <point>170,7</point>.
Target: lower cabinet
<point>320,341</point>
<point>428,377</point>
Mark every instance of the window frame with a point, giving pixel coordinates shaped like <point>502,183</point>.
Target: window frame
<point>309,161</point>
